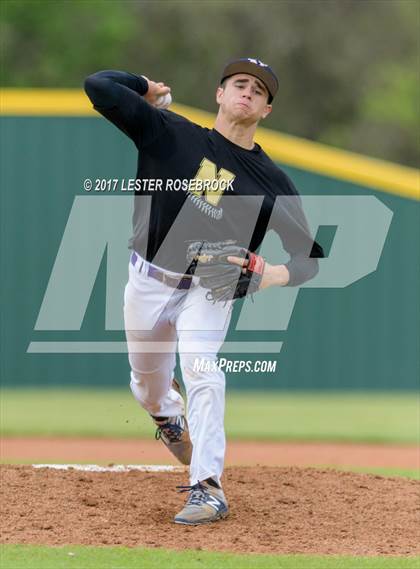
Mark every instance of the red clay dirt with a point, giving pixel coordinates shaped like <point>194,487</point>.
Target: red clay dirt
<point>50,450</point>
<point>273,510</point>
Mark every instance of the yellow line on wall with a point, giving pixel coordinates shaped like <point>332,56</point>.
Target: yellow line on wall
<point>290,150</point>
<point>45,102</point>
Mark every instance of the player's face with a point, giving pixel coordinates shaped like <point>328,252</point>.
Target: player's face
<point>244,98</point>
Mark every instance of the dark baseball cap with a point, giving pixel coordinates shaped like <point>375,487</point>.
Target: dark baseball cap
<point>256,68</point>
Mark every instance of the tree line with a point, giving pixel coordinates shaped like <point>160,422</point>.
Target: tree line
<point>348,69</point>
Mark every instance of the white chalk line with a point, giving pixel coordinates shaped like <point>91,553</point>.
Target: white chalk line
<point>114,468</point>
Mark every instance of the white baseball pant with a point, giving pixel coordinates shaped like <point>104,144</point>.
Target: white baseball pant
<point>158,319</point>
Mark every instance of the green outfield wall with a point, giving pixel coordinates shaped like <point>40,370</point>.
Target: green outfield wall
<point>363,336</point>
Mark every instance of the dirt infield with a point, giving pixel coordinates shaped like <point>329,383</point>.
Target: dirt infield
<point>273,510</point>
<point>42,450</point>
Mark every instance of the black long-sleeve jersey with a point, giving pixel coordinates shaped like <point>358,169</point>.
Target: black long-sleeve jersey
<point>247,194</point>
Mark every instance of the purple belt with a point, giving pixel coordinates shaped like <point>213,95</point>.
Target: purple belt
<point>184,283</point>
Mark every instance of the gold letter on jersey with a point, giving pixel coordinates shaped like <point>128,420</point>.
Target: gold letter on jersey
<point>208,172</point>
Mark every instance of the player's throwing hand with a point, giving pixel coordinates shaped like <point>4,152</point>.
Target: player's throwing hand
<point>158,94</point>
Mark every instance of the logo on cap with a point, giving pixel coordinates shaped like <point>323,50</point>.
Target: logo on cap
<point>257,62</point>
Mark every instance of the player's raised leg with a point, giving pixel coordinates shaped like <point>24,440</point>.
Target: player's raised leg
<point>147,312</point>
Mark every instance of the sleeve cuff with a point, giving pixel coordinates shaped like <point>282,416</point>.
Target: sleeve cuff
<point>143,85</point>
<point>301,270</point>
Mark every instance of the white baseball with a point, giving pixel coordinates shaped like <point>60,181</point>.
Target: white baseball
<point>163,101</point>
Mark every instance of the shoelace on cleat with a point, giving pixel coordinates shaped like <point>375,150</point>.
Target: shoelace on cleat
<point>198,494</point>
<point>172,431</point>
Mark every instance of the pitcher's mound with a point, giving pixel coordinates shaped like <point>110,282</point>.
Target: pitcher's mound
<point>273,510</point>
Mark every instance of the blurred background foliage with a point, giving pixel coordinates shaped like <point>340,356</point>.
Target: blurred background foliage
<point>349,69</point>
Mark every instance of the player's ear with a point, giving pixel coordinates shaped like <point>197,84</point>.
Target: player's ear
<point>267,111</point>
<point>219,94</point>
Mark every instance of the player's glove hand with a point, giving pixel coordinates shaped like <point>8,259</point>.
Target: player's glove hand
<point>224,279</point>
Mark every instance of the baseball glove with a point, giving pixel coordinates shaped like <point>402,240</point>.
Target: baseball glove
<point>224,279</point>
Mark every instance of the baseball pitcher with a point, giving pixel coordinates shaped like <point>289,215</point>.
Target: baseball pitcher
<point>196,233</point>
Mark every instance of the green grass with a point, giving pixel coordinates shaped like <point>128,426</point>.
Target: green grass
<point>40,557</point>
<point>351,417</point>
<point>382,471</point>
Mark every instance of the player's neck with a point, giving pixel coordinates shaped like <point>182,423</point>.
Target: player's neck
<point>238,133</point>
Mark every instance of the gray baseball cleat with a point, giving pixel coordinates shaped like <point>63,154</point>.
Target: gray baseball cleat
<point>173,432</point>
<point>206,504</point>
